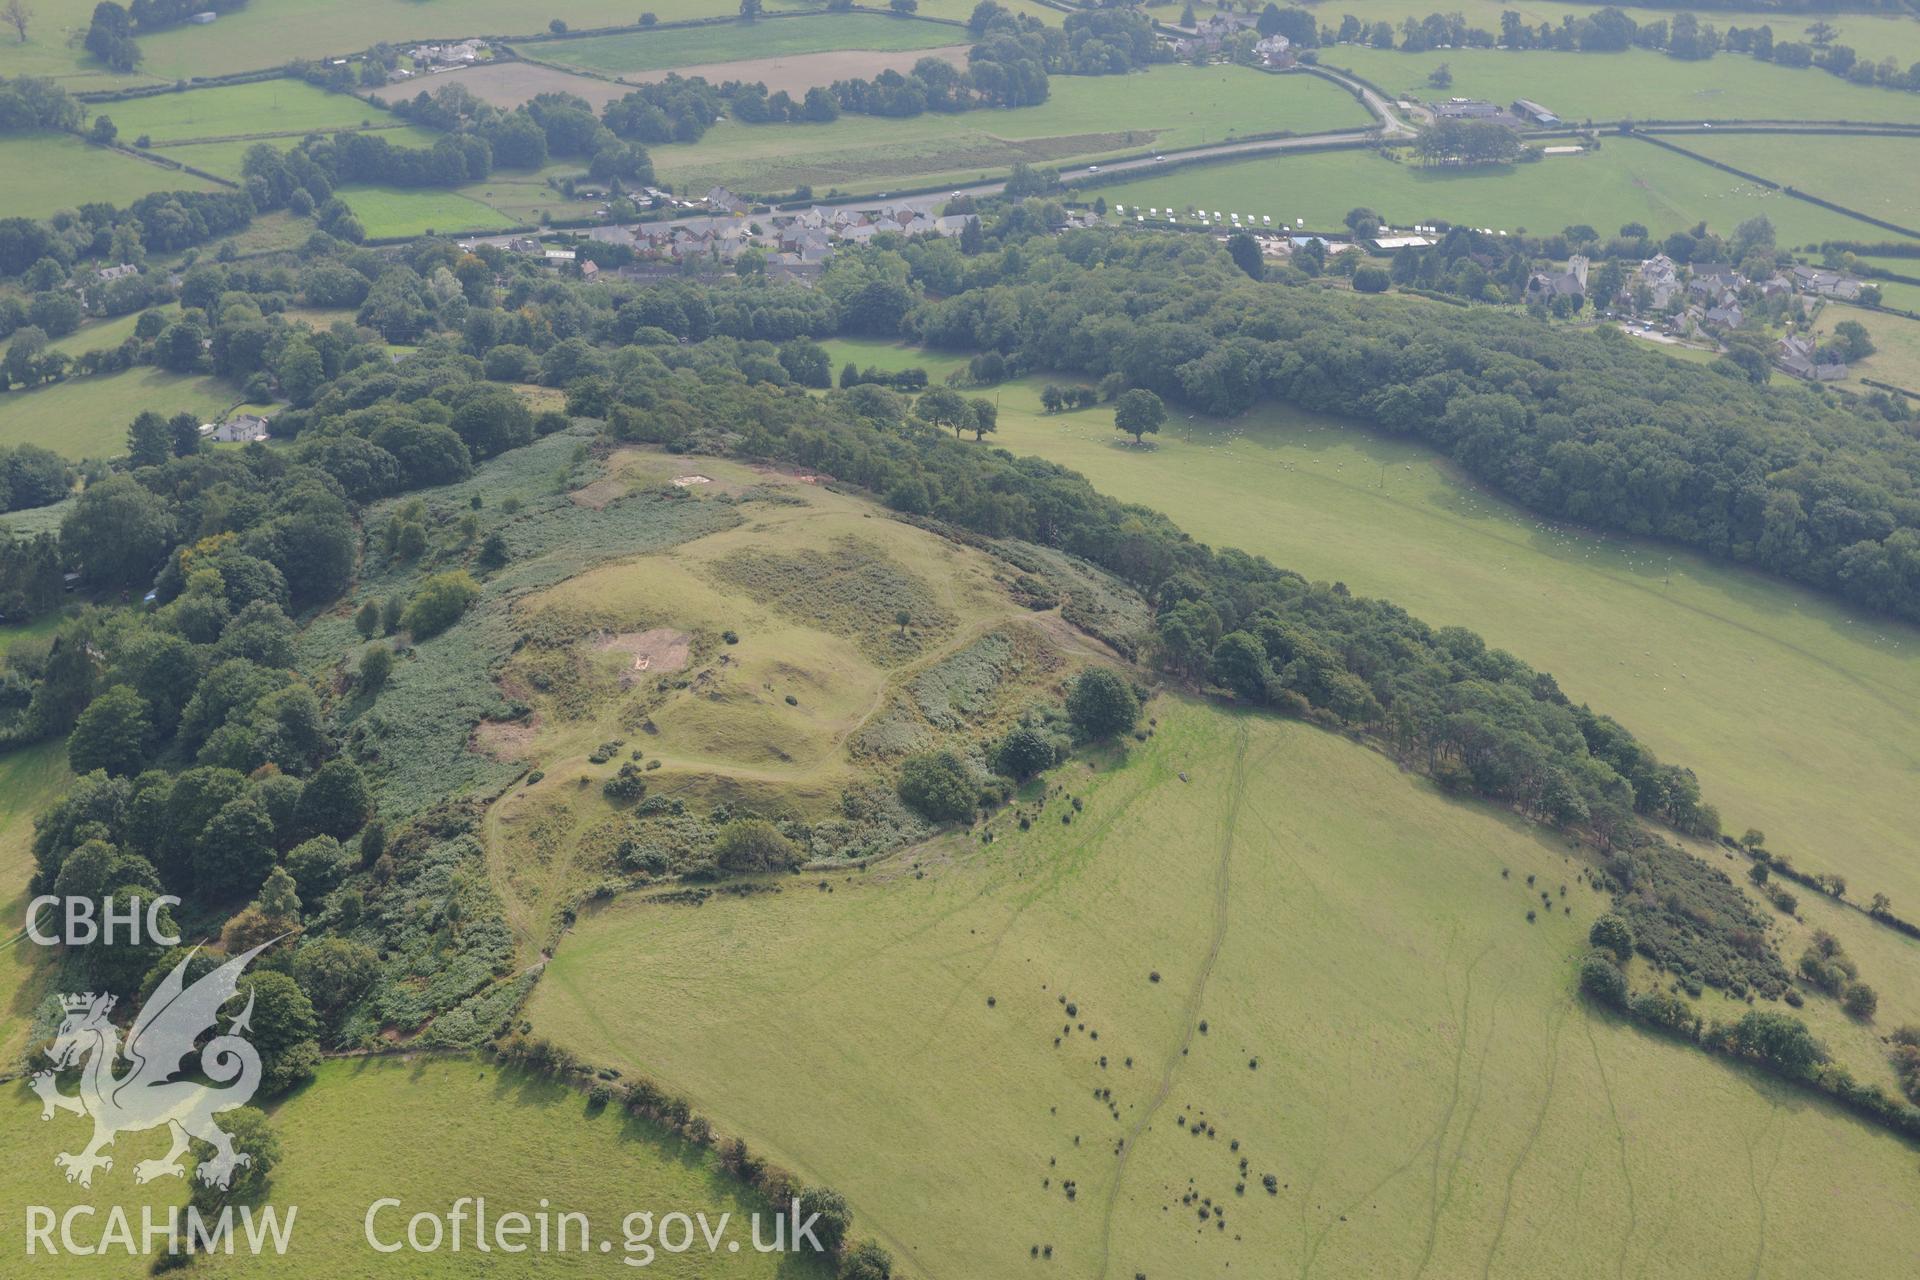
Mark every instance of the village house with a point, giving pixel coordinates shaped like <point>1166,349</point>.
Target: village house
<point>1827,284</point>
<point>107,275</point>
<point>1274,52</point>
<point>1661,276</point>
<point>1799,355</point>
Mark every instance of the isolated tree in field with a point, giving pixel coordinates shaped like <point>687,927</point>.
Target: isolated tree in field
<point>1362,221</point>
<point>901,618</point>
<point>17,15</point>
<point>1101,704</point>
<point>904,7</point>
<point>750,9</point>
<point>942,407</point>
<point>1245,252</point>
<point>983,417</point>
<point>439,603</point>
<point>367,621</point>
<point>1139,413</point>
<point>1024,752</point>
<point>1441,77</point>
<point>252,1133</point>
<point>1860,1001</point>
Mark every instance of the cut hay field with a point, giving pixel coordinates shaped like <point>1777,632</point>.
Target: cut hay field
<point>48,172</point>
<point>1801,716</point>
<point>742,41</point>
<point>1351,999</point>
<point>798,72</point>
<point>1873,175</point>
<point>1636,84</point>
<point>88,417</point>
<point>1625,181</point>
<point>411,211</point>
<point>404,1127</point>
<point>1086,117</point>
<point>508,84</point>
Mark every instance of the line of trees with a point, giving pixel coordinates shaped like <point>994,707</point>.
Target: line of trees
<point>1575,425</point>
<point>1610,30</point>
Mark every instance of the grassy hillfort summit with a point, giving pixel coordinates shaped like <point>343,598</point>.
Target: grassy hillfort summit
<point>958,639</point>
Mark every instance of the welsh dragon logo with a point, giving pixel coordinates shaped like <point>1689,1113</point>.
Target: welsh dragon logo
<point>146,1095</point>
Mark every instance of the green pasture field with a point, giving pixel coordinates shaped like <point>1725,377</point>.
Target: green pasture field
<point>103,335</point>
<point>1633,85</point>
<point>47,52</point>
<point>265,32</point>
<point>1350,998</point>
<point>1896,339</point>
<point>254,110</point>
<point>1800,715</point>
<point>1086,118</point>
<point>88,417</point>
<point>405,1128</point>
<point>660,50</point>
<point>47,172</point>
<point>1872,175</point>
<point>398,211</point>
<point>31,778</point>
<point>1624,181</point>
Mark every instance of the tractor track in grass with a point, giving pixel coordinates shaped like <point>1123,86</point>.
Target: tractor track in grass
<point>1556,1021</point>
<point>1190,1009</point>
<point>1620,1138</point>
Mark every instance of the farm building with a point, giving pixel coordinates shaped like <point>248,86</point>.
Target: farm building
<point>1466,109</point>
<point>203,18</point>
<point>1800,357</point>
<point>1532,112</point>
